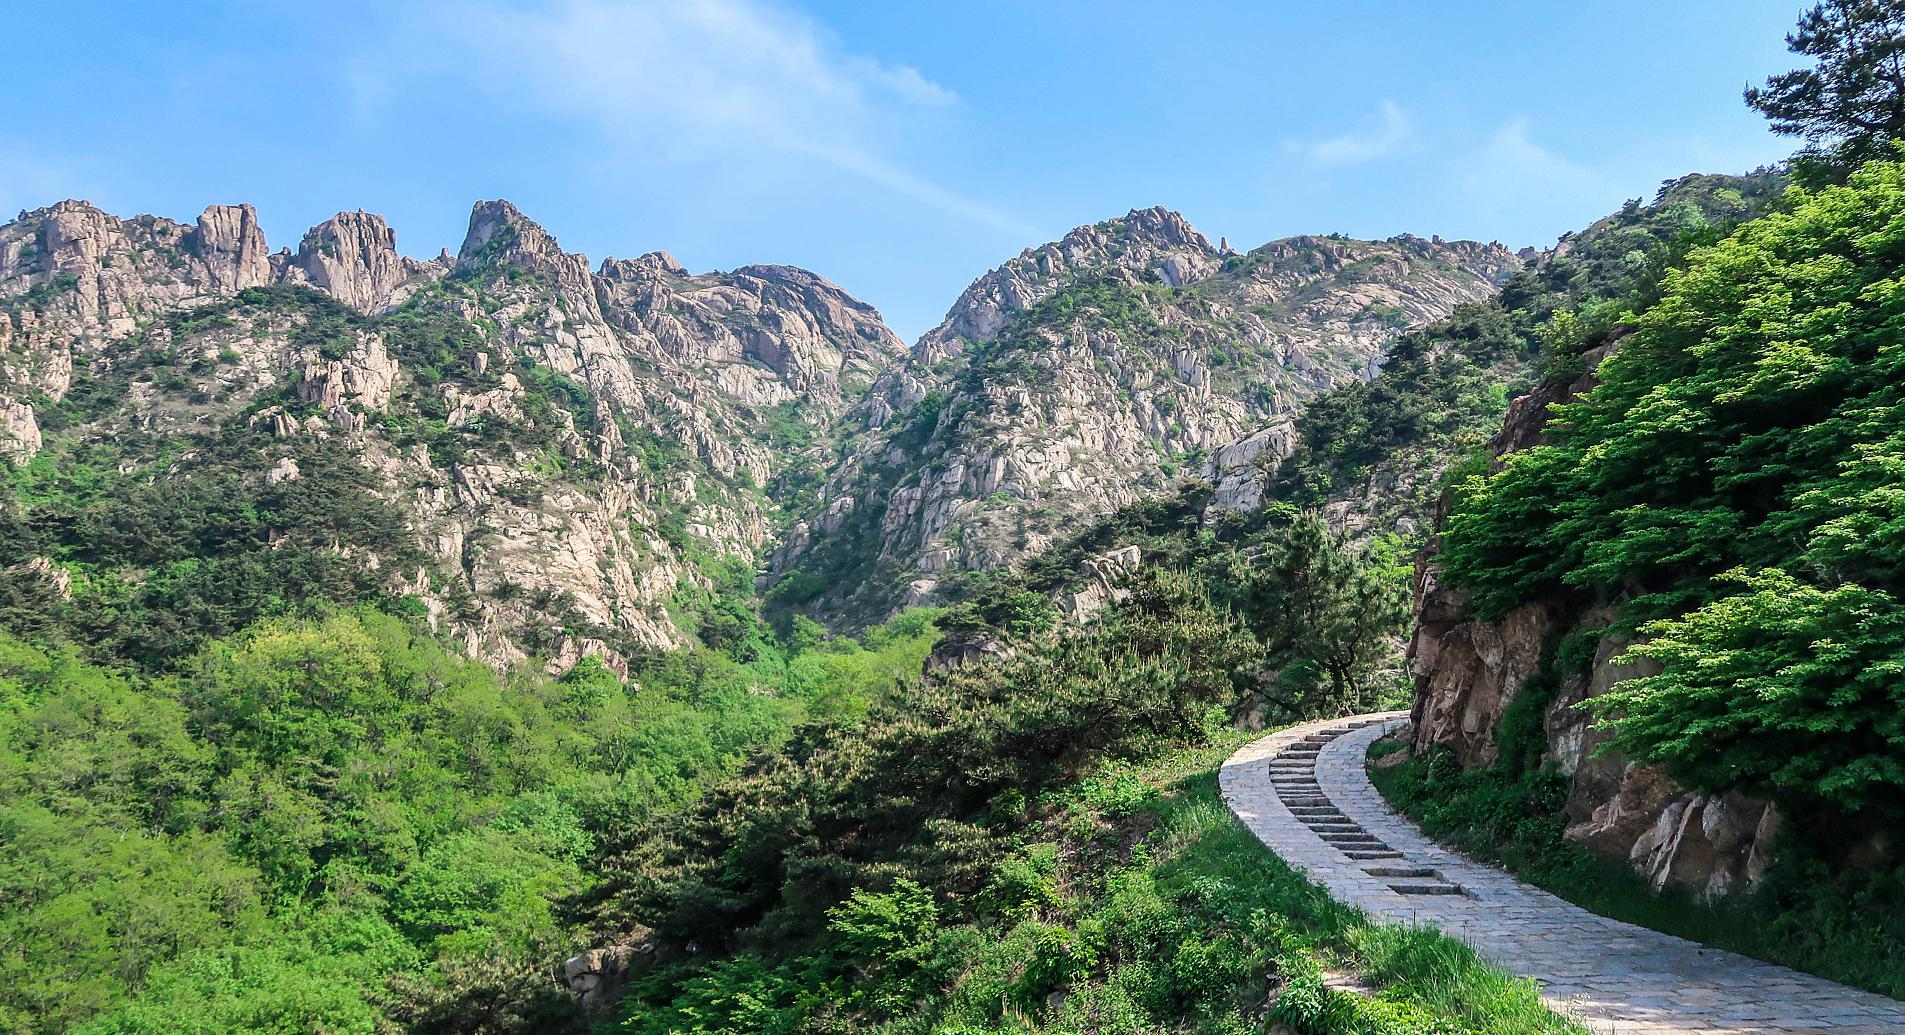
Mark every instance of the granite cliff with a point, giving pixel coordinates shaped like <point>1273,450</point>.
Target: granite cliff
<point>1091,372</point>
<point>572,450</point>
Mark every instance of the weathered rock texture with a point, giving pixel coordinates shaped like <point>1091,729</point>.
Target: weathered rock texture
<point>562,440</point>
<point>1087,373</point>
<point>1468,673</point>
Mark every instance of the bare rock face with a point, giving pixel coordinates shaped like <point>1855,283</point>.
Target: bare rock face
<point>593,431</point>
<point>1100,582</point>
<point>1468,672</point>
<point>19,431</point>
<point>1090,372</point>
<point>232,249</point>
<point>352,256</point>
<point>1240,471</point>
<point>597,976</point>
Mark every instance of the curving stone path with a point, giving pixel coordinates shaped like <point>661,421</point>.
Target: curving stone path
<point>1304,792</point>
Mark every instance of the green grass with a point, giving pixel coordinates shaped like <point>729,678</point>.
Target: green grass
<point>1844,927</point>
<point>1420,979</point>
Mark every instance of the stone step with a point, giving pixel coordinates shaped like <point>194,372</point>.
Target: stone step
<point>1425,889</point>
<point>1399,871</point>
<point>1334,826</point>
<point>1353,838</point>
<point>1310,800</point>
<point>1307,812</point>
<point>1360,854</point>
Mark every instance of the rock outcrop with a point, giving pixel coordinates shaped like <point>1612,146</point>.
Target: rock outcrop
<point>1468,674</point>
<point>353,257</point>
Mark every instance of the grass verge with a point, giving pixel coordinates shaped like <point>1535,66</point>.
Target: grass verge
<point>1842,927</point>
<point>1133,903</point>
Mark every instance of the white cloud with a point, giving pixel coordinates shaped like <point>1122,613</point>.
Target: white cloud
<point>1510,157</point>
<point>907,84</point>
<point>1382,134</point>
<point>739,82</point>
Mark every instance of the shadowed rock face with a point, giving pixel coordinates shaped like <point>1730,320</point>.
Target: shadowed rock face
<point>1090,372</point>
<point>610,423</point>
<point>1468,672</point>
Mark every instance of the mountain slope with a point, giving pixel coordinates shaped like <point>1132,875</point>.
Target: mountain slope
<point>1087,373</point>
<point>556,459</point>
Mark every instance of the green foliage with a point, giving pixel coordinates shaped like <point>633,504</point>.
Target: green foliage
<point>161,562</point>
<point>1749,422</point>
<point>1011,848</point>
<point>1316,600</point>
<point>261,838</point>
<point>1167,917</point>
<point>1785,689</point>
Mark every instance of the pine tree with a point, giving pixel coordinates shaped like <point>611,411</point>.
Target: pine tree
<point>1850,106</point>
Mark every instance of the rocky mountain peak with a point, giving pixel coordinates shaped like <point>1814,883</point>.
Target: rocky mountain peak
<point>646,265</point>
<point>353,256</point>
<point>1149,245</point>
<point>1166,228</point>
<point>232,247</point>
<point>499,232</point>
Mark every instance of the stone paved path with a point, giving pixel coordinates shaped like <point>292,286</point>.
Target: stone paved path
<point>1305,792</point>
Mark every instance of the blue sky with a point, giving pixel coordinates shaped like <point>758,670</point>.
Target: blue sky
<point>900,149</point>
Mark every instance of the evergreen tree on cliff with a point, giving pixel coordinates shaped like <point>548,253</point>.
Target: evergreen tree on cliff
<point>1850,106</point>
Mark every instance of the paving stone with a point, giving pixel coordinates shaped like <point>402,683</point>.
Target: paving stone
<point>1617,978</point>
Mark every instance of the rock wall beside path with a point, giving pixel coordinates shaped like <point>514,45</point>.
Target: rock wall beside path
<point>1468,673</point>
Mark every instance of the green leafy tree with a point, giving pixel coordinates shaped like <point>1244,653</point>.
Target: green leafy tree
<point>1750,422</point>
<point>1785,689</point>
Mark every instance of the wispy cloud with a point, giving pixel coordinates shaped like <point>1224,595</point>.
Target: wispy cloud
<point>1511,156</point>
<point>736,81</point>
<point>1381,134</point>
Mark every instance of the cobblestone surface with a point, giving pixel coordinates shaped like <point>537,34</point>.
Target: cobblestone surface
<point>1615,977</point>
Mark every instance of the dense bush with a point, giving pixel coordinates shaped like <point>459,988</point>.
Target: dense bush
<point>1750,421</point>
<point>264,836</point>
